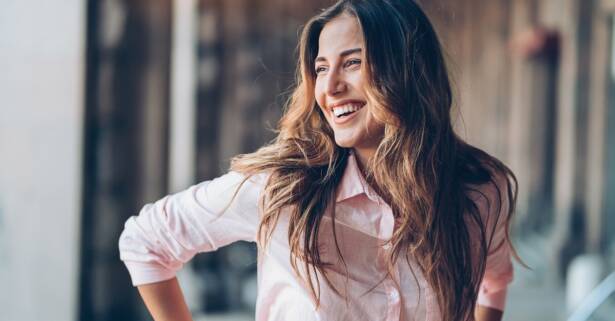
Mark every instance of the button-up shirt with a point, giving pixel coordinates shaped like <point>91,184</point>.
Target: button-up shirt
<point>166,234</point>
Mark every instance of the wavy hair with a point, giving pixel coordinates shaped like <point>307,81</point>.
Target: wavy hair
<point>424,170</point>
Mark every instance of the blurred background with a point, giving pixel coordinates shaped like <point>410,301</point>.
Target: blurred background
<point>107,105</point>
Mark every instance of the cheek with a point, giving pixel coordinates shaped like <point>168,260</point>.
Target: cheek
<point>373,125</point>
<point>319,96</point>
<point>358,82</point>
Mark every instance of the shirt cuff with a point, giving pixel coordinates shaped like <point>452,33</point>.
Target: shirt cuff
<point>145,273</point>
<point>495,300</point>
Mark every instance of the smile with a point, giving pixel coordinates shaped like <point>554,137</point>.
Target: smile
<point>346,111</point>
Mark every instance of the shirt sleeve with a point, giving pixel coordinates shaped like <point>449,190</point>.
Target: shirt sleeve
<point>167,233</point>
<point>499,268</point>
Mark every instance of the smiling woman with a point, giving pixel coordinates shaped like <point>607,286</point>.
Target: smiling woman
<point>366,187</point>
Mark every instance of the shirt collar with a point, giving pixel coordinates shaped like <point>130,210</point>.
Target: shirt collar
<point>353,183</point>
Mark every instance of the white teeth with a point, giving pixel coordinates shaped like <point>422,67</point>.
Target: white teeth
<point>347,108</point>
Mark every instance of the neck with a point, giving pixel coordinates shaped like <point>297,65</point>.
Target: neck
<point>363,158</point>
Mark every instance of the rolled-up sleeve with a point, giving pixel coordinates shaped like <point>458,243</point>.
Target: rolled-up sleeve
<point>167,233</point>
<point>499,268</point>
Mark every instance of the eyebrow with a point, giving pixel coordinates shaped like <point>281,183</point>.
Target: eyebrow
<point>342,54</point>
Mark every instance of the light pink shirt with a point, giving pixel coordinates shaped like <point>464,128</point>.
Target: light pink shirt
<point>169,232</point>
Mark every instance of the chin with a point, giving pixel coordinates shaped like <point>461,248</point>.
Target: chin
<point>344,145</point>
<point>345,142</point>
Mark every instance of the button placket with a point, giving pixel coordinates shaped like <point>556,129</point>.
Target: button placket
<point>393,301</point>
<point>393,295</point>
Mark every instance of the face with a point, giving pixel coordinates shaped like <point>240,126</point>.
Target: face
<point>340,86</point>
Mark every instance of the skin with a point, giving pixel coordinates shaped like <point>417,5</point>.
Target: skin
<point>165,301</point>
<point>482,313</point>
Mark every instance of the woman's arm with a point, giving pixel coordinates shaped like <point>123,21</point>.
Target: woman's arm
<point>493,205</point>
<point>483,313</point>
<point>169,232</point>
<point>165,301</point>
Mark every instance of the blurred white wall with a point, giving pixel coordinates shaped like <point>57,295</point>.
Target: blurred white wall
<point>183,97</point>
<point>41,116</point>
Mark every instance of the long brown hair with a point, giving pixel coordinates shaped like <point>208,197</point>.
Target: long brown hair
<point>424,171</point>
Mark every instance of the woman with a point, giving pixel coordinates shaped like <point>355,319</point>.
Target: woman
<point>367,206</point>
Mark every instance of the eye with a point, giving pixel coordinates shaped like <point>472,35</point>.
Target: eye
<point>320,68</point>
<point>352,62</point>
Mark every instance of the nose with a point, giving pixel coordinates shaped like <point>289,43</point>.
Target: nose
<point>335,84</point>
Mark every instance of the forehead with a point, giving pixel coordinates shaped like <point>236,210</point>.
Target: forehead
<point>339,34</point>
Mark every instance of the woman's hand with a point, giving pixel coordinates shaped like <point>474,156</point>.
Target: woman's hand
<point>165,301</point>
<point>483,313</point>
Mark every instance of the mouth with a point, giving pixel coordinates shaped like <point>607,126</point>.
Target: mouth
<point>345,111</point>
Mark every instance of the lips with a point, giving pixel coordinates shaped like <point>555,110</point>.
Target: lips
<point>344,111</point>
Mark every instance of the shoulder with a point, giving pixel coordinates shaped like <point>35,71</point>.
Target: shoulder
<point>496,186</point>
<point>493,197</point>
<point>239,179</point>
<point>484,176</point>
<point>233,185</point>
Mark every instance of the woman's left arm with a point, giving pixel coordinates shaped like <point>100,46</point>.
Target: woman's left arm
<point>483,313</point>
<point>492,291</point>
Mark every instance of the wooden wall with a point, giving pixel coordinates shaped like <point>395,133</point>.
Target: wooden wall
<point>545,112</point>
<point>126,143</point>
<point>246,67</point>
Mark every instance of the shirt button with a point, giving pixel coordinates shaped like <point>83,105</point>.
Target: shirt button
<point>394,295</point>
